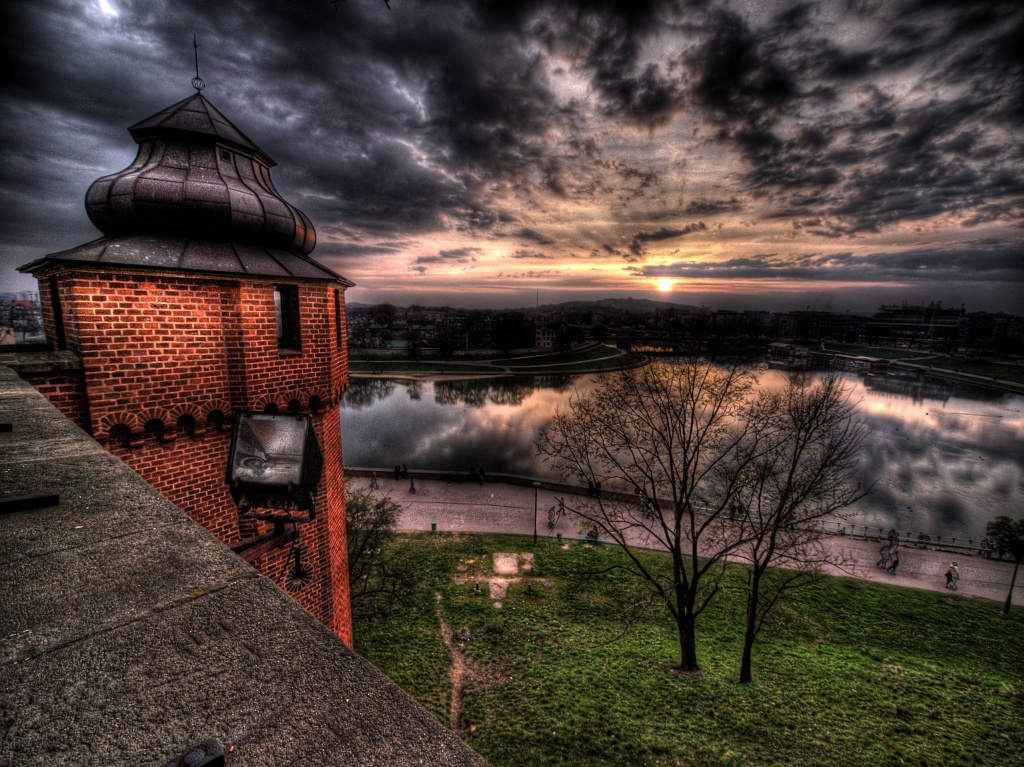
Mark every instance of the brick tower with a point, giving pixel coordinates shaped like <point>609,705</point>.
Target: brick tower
<point>201,301</point>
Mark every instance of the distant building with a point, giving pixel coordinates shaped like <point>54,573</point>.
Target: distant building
<point>817,326</point>
<point>548,335</point>
<point>21,317</point>
<point>726,319</point>
<point>929,326</point>
<point>991,332</point>
<point>789,356</point>
<point>860,364</point>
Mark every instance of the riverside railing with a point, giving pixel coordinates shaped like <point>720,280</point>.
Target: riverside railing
<point>839,528</point>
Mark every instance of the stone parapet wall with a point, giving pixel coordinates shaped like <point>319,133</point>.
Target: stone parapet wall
<point>133,635</point>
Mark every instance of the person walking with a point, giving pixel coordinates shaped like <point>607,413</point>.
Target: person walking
<point>398,471</point>
<point>952,576</point>
<point>894,560</point>
<point>373,482</point>
<point>884,555</point>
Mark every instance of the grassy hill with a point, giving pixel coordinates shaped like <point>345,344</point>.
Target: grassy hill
<point>849,673</point>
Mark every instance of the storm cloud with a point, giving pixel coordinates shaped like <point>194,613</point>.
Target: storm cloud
<point>872,143</point>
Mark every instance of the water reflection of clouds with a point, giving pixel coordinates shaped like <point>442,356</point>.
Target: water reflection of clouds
<point>941,463</point>
<point>449,425</point>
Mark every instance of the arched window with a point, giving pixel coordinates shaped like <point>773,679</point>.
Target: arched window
<point>294,406</point>
<point>315,404</point>
<point>187,425</point>
<point>270,407</point>
<point>215,420</point>
<point>120,435</point>
<point>155,428</point>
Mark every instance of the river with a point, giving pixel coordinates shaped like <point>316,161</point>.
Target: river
<point>943,457</point>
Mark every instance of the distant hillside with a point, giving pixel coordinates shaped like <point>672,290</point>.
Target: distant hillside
<point>635,305</point>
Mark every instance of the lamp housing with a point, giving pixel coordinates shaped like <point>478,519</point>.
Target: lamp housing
<point>274,463</point>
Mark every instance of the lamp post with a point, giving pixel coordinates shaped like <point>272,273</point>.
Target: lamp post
<point>536,488</point>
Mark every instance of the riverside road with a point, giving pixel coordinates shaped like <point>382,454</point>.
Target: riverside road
<point>497,507</point>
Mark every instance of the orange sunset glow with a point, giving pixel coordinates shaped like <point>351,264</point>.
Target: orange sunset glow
<point>773,155</point>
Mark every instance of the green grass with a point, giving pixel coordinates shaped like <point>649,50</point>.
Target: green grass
<point>593,366</point>
<point>1014,373</point>
<point>594,360</point>
<point>849,672</point>
<point>885,353</point>
<point>416,366</point>
<point>561,358</point>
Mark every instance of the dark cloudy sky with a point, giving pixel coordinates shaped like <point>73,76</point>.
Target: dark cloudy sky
<point>769,154</point>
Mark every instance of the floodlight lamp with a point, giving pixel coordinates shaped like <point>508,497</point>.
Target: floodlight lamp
<point>275,463</point>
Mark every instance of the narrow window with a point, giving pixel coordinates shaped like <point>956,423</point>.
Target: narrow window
<point>286,306</point>
<point>60,341</point>
<point>337,316</point>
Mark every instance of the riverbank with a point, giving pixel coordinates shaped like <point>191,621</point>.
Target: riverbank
<point>506,505</point>
<point>589,358</point>
<point>990,374</point>
<point>598,358</point>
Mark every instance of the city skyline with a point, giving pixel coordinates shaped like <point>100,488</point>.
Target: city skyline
<point>831,156</point>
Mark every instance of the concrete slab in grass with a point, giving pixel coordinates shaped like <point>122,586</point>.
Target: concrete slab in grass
<point>506,564</point>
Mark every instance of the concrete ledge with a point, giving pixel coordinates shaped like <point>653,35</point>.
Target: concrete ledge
<point>41,363</point>
<point>128,634</point>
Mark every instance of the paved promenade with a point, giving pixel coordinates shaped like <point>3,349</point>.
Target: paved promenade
<point>496,507</point>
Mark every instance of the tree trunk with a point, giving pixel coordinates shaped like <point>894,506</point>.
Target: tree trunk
<point>746,673</point>
<point>687,644</point>
<point>1013,580</point>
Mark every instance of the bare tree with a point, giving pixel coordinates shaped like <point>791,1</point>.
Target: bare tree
<point>379,576</point>
<point>1007,536</point>
<point>800,471</point>
<point>25,318</point>
<point>663,442</point>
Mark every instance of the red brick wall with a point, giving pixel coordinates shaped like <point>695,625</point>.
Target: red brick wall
<point>157,346</point>
<point>323,540</point>
<point>67,393</point>
<point>188,471</point>
<point>334,500</point>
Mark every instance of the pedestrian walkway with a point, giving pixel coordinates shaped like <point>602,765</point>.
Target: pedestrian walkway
<point>496,507</point>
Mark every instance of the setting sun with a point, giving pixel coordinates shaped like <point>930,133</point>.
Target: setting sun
<point>664,285</point>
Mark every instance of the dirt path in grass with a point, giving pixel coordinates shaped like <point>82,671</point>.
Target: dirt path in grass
<point>462,669</point>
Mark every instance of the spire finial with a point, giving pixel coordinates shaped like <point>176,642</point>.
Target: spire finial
<point>197,81</point>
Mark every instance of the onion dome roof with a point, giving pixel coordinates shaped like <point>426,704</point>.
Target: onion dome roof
<point>197,176</point>
<point>198,116</point>
<point>193,255</point>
